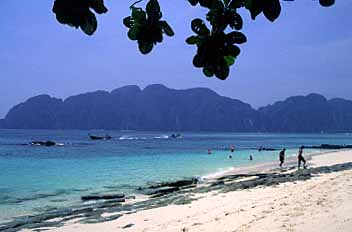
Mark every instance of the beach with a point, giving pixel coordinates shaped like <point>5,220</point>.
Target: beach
<point>320,203</point>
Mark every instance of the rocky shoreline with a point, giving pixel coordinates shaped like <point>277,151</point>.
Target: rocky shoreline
<point>162,194</point>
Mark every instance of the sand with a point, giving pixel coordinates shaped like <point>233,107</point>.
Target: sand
<point>323,203</point>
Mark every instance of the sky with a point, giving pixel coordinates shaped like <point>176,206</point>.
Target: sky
<point>308,49</point>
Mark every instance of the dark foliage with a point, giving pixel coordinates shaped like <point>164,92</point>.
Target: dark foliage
<point>78,13</point>
<point>216,49</point>
<point>146,26</point>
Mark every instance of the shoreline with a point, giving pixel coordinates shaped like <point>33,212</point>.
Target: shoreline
<point>112,212</point>
<point>266,165</point>
<point>253,209</point>
<point>76,203</point>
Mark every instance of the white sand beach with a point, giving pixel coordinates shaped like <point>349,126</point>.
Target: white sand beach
<point>323,203</point>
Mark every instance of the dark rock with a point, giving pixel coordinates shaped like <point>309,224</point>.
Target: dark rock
<point>177,183</point>
<point>163,188</point>
<point>160,191</point>
<point>102,197</point>
<point>267,149</point>
<point>128,226</point>
<point>182,201</point>
<point>217,183</point>
<point>331,146</point>
<point>41,143</point>
<point>109,204</point>
<point>188,186</point>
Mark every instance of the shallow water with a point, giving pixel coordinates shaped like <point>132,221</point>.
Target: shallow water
<point>36,178</point>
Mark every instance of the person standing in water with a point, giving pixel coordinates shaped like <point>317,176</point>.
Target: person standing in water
<point>250,157</point>
<point>232,148</point>
<point>282,157</point>
<point>209,151</point>
<point>301,158</point>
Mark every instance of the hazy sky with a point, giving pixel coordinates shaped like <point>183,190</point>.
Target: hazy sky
<point>308,49</point>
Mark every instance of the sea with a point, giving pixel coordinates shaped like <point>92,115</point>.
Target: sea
<point>37,178</point>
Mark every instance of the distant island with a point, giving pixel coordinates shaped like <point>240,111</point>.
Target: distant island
<point>158,108</point>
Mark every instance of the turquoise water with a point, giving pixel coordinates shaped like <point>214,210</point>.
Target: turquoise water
<point>35,178</point>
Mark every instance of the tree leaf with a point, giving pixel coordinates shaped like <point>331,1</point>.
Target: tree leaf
<point>199,27</point>
<point>193,2</point>
<point>271,9</point>
<point>71,13</point>
<point>192,40</point>
<point>138,14</point>
<point>236,37</point>
<point>236,21</point>
<point>208,72</point>
<point>232,50</point>
<point>255,7</point>
<point>236,4</point>
<point>248,4</point>
<point>128,21</point>
<point>157,37</point>
<point>198,61</point>
<point>153,10</point>
<point>98,6</point>
<point>166,28</point>
<point>90,24</point>
<point>210,4</point>
<point>230,60</point>
<point>327,3</point>
<point>222,71</point>
<point>133,33</point>
<point>145,47</point>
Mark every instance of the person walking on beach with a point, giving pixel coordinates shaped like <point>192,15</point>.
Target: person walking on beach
<point>301,158</point>
<point>232,148</point>
<point>282,157</point>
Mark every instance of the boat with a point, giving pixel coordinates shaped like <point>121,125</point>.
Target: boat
<point>176,136</point>
<point>106,137</point>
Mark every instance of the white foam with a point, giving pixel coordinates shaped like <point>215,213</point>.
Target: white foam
<point>162,137</point>
<point>143,138</point>
<point>217,174</point>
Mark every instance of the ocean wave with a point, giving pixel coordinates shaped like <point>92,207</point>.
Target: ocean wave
<point>216,174</point>
<point>162,137</point>
<point>143,138</point>
<point>132,138</point>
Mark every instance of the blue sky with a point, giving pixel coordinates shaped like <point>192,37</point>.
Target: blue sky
<point>306,50</point>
